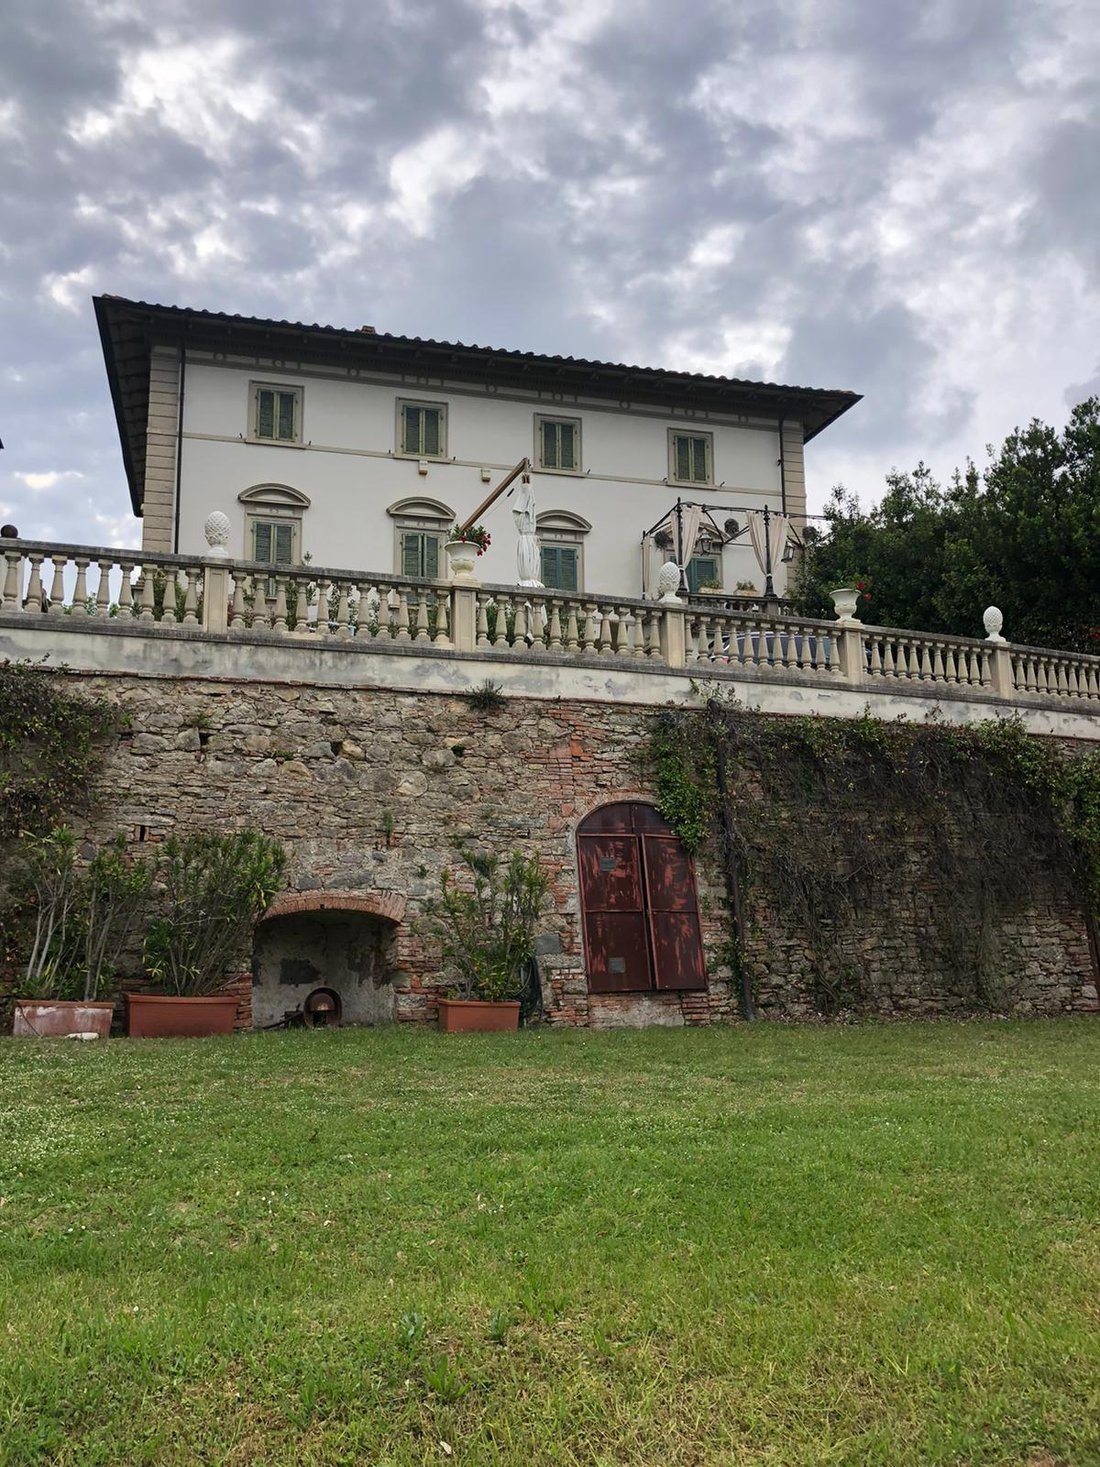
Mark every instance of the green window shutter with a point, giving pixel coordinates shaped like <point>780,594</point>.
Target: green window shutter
<point>265,413</point>
<point>699,460</point>
<point>431,557</point>
<point>432,437</point>
<point>682,445</point>
<point>284,544</point>
<point>546,437</point>
<point>567,457</point>
<point>261,540</point>
<point>410,436</point>
<point>411,554</point>
<point>285,426</point>
<point>559,567</point>
<point>700,569</point>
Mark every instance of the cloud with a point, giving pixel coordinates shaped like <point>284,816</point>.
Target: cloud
<point>48,479</point>
<point>898,199</point>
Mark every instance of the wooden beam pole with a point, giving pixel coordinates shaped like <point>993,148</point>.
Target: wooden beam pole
<point>513,474</point>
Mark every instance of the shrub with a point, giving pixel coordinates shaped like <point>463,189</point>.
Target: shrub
<point>215,889</point>
<point>487,931</point>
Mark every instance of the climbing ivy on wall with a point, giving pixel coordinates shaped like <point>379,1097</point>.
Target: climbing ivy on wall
<point>50,746</point>
<point>821,817</point>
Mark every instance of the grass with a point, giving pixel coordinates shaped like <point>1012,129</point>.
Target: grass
<point>765,1245</point>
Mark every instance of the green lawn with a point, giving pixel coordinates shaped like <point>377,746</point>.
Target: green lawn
<point>765,1245</point>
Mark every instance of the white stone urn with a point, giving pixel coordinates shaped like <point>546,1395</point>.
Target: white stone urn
<point>845,600</point>
<point>993,621</point>
<point>462,557</point>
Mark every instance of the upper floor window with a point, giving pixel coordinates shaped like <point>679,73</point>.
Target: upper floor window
<point>558,444</point>
<point>690,457</point>
<point>422,429</point>
<point>276,413</point>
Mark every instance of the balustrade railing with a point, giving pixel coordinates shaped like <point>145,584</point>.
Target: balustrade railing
<point>81,580</point>
<point>738,640</point>
<point>90,585</point>
<point>920,657</point>
<point>1054,674</point>
<point>337,604</point>
<point>529,620</point>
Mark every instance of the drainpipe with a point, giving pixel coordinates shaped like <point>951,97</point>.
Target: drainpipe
<point>733,875</point>
<point>782,469</point>
<point>179,454</point>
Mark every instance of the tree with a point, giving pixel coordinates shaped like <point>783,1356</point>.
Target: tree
<point>1024,536</point>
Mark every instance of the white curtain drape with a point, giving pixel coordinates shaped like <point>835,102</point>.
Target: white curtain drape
<point>777,539</point>
<point>691,517</point>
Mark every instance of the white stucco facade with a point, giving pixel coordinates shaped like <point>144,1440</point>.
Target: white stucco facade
<point>348,464</point>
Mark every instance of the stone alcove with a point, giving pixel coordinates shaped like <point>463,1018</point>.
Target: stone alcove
<point>344,941</point>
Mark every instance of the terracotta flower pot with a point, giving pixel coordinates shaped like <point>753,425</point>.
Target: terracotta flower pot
<point>165,1015</point>
<point>475,1016</point>
<point>54,1018</point>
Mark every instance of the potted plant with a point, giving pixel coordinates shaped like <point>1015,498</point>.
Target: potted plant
<point>83,919</point>
<point>855,593</point>
<point>215,887</point>
<point>486,930</point>
<point>463,547</point>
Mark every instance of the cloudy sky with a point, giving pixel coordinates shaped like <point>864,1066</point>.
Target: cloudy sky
<point>901,197</point>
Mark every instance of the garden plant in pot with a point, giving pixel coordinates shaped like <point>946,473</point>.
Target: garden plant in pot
<point>486,930</point>
<point>214,889</point>
<point>83,918</point>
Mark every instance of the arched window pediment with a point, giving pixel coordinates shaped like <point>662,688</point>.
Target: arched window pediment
<point>420,507</point>
<point>272,495</point>
<point>562,519</point>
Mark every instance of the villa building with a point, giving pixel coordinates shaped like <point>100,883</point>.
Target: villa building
<point>351,447</point>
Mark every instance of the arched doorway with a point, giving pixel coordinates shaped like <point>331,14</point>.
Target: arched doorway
<point>338,944</point>
<point>638,903</point>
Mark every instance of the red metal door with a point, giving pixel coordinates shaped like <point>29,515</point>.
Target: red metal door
<point>614,914</point>
<point>641,917</point>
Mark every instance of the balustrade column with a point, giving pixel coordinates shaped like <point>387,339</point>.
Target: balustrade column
<point>673,636</point>
<point>57,589</point>
<point>852,659</point>
<point>13,581</point>
<point>215,598</point>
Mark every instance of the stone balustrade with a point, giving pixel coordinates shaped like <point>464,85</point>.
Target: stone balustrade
<point>224,598</point>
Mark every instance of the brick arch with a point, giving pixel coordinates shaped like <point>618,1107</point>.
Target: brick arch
<point>385,904</point>
<point>627,796</point>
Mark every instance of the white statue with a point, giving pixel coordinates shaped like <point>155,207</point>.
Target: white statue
<point>527,547</point>
<point>993,621</point>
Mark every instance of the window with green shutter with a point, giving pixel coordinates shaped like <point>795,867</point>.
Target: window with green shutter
<point>277,413</point>
<point>690,457</point>
<point>420,554</point>
<point>559,443</point>
<point>560,566</point>
<point>423,429</point>
<point>703,572</point>
<point>273,541</point>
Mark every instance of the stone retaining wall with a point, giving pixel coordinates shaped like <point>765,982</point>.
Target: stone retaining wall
<point>369,788</point>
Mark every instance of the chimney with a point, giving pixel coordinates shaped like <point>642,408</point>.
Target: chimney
<point>369,330</point>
